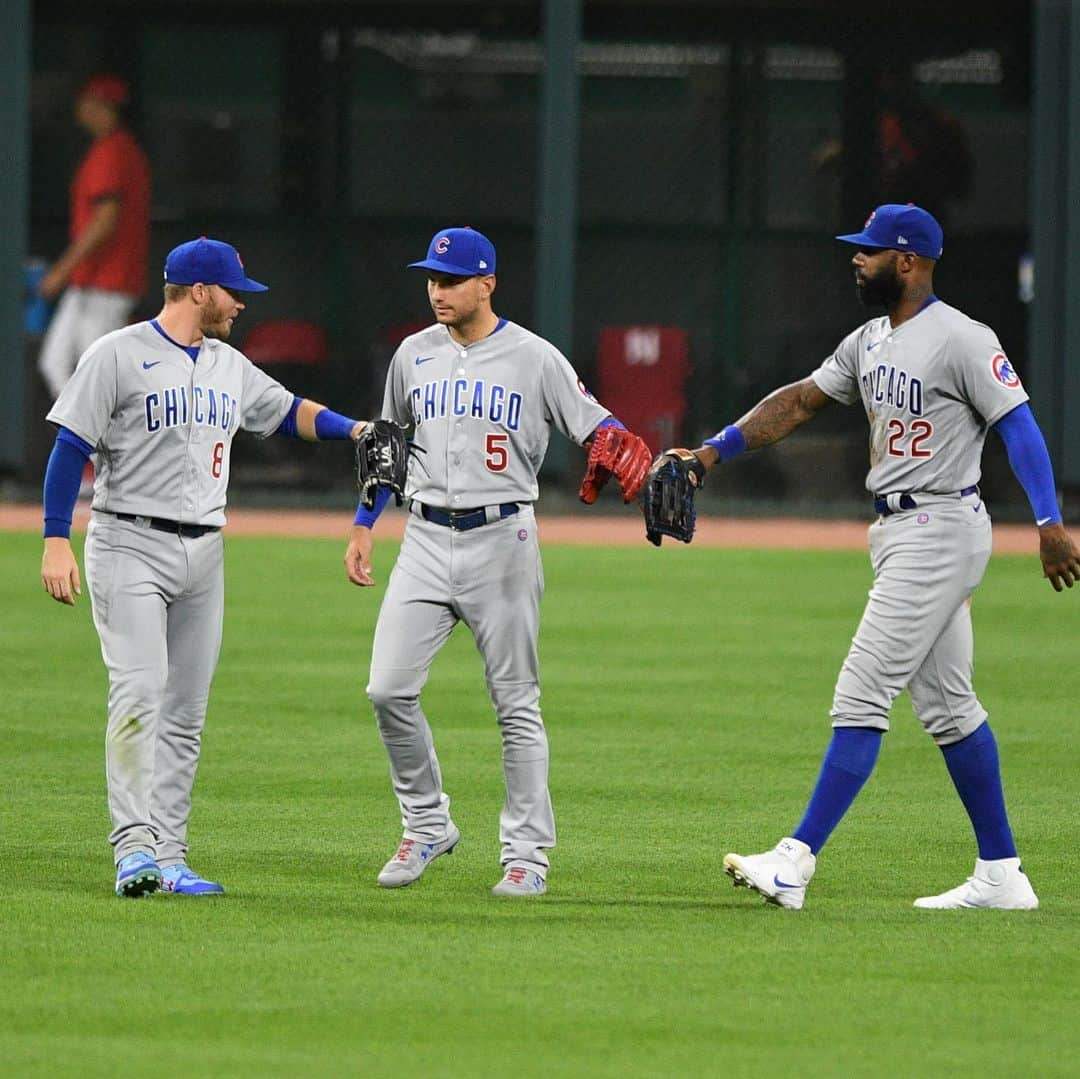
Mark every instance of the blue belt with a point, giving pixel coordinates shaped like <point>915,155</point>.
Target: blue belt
<point>906,502</point>
<point>159,524</point>
<point>463,520</point>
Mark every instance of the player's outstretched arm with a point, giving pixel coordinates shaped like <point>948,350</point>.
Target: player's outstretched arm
<point>1059,556</point>
<point>358,556</point>
<point>317,423</point>
<point>60,571</point>
<point>770,420</point>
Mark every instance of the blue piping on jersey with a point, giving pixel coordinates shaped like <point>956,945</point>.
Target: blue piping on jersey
<point>191,350</point>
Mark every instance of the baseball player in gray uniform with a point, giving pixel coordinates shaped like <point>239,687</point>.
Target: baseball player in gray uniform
<point>932,382</point>
<point>157,404</point>
<point>481,394</point>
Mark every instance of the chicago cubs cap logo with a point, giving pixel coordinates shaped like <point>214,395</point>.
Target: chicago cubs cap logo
<point>1003,371</point>
<point>442,244</point>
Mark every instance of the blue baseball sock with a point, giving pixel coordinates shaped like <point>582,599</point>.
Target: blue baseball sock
<point>976,774</point>
<point>847,765</point>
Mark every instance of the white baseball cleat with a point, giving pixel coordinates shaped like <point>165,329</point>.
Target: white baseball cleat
<point>780,875</point>
<point>1001,884</point>
<point>413,857</point>
<point>517,880</point>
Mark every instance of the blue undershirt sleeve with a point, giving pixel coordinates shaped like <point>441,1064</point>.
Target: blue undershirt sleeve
<point>62,477</point>
<point>609,421</point>
<point>1030,462</point>
<point>287,427</point>
<point>367,517</point>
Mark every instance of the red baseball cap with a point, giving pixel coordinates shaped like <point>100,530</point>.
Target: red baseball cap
<point>109,88</point>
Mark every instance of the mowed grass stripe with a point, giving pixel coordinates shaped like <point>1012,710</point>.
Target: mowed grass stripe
<point>686,693</point>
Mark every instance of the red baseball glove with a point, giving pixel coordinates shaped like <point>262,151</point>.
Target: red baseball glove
<point>615,452</point>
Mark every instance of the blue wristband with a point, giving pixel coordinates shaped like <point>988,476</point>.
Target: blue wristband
<point>367,517</point>
<point>330,425</point>
<point>728,443</point>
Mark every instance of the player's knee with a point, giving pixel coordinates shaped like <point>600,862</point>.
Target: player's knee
<point>393,694</point>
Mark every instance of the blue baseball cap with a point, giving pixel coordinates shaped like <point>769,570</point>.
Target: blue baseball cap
<point>463,252</point>
<point>904,228</point>
<point>209,262</point>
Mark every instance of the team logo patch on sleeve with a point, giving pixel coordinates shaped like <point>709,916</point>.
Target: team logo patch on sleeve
<point>585,390</point>
<point>1003,371</point>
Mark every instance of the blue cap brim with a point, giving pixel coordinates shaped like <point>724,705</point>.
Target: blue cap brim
<point>250,286</point>
<point>446,267</point>
<point>860,238</point>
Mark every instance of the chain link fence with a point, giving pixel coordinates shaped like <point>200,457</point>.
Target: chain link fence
<point>720,151</point>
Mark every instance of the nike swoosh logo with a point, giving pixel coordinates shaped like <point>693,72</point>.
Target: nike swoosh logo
<point>146,366</point>
<point>423,359</point>
<point>782,884</point>
<point>872,346</point>
<point>1043,521</point>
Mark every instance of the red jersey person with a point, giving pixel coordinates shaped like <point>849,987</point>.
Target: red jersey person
<point>102,272</point>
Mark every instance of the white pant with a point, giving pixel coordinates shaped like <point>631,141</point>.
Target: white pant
<point>490,578</point>
<point>81,317</point>
<point>157,602</point>
<point>915,633</point>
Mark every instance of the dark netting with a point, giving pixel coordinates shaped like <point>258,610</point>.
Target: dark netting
<point>720,150</point>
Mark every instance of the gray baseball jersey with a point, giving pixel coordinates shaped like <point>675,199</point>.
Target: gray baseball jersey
<point>931,389</point>
<point>161,426</point>
<point>482,415</point>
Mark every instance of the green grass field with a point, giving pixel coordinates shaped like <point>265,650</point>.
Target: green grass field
<point>686,694</point>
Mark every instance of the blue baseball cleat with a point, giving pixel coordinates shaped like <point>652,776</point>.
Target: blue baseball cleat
<point>137,875</point>
<point>180,880</point>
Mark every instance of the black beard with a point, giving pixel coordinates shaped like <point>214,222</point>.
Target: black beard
<point>884,290</point>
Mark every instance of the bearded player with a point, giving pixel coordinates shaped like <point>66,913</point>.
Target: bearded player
<point>481,394</point>
<point>932,382</point>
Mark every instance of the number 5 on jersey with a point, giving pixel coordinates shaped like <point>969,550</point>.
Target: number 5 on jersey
<point>496,456</point>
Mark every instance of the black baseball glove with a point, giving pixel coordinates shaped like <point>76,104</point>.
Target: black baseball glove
<point>667,499</point>
<point>382,460</point>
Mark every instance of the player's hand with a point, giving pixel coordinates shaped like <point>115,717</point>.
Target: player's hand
<point>358,430</point>
<point>60,571</point>
<point>52,283</point>
<point>1060,558</point>
<point>358,557</point>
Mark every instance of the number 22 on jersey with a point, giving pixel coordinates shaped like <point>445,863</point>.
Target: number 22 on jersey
<point>901,445</point>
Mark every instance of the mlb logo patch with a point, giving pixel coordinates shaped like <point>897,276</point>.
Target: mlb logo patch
<point>1003,371</point>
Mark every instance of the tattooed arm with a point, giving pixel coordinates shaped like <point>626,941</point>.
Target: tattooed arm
<point>770,420</point>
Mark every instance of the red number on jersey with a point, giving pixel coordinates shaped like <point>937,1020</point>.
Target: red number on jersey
<point>217,460</point>
<point>495,450</point>
<point>921,430</point>
<point>896,432</point>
